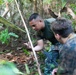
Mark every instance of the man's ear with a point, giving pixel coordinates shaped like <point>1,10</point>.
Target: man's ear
<point>40,20</point>
<point>57,36</point>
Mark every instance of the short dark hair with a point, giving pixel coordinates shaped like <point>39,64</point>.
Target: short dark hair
<point>33,16</point>
<point>62,27</point>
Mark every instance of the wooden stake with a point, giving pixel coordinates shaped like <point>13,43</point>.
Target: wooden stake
<point>38,65</point>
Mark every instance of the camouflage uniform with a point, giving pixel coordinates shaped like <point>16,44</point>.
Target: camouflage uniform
<point>68,58</point>
<point>52,57</point>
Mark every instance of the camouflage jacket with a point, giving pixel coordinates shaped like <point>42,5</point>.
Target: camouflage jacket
<point>68,58</point>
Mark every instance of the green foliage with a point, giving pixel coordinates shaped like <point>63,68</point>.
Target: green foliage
<point>66,16</point>
<point>47,1</point>
<point>52,65</point>
<point>8,68</point>
<point>13,34</point>
<point>41,56</point>
<point>63,3</point>
<point>5,36</point>
<point>73,6</point>
<point>1,2</point>
<point>36,74</point>
<point>47,47</point>
<point>9,0</point>
<point>27,69</point>
<point>26,51</point>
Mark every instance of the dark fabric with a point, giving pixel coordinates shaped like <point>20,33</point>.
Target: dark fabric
<point>51,61</point>
<point>47,33</point>
<point>51,56</point>
<point>67,65</point>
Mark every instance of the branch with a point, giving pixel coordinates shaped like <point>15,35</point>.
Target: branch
<point>52,13</point>
<point>6,10</point>
<point>38,65</point>
<point>5,22</point>
<point>69,11</point>
<point>64,9</point>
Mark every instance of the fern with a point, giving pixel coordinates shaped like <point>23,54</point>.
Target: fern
<point>5,36</point>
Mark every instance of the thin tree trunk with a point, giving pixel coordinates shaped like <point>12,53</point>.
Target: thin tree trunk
<point>35,6</point>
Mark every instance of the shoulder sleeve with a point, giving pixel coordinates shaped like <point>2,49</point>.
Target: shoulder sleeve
<point>50,20</point>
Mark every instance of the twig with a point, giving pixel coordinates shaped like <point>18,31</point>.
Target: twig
<point>68,11</point>
<point>6,10</point>
<point>38,65</point>
<point>52,13</point>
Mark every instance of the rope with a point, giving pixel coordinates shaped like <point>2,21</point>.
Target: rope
<point>38,65</point>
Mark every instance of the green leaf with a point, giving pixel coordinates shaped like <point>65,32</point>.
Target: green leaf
<point>13,67</point>
<point>13,34</point>
<point>7,0</point>
<point>63,3</point>
<point>8,68</point>
<point>1,2</point>
<point>4,37</point>
<point>26,52</point>
<point>27,69</point>
<point>47,1</point>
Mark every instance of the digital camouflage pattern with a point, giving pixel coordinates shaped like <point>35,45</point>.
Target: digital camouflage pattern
<point>52,58</point>
<point>51,61</point>
<point>68,58</point>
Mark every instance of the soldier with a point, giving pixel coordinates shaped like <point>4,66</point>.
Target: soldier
<point>44,32</point>
<point>63,32</point>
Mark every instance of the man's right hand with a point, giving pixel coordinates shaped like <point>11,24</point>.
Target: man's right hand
<point>27,45</point>
<point>54,72</point>
<point>38,47</point>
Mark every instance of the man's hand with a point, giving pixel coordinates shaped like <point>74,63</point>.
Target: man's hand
<point>38,47</point>
<point>54,72</point>
<point>27,45</point>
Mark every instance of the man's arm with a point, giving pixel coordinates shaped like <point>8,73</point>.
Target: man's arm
<point>38,47</point>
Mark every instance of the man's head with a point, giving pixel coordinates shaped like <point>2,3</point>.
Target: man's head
<point>62,28</point>
<point>36,22</point>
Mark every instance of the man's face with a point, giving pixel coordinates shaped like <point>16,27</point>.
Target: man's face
<point>36,24</point>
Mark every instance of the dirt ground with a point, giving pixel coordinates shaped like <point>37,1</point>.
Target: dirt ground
<point>17,55</point>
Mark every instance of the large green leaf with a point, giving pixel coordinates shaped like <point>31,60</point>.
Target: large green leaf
<point>1,2</point>
<point>8,68</point>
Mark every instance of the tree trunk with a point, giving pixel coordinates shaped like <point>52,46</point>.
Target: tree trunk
<point>35,6</point>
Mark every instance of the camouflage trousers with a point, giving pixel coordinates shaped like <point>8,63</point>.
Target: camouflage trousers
<point>52,58</point>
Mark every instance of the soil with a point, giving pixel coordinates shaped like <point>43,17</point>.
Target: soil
<point>18,56</point>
